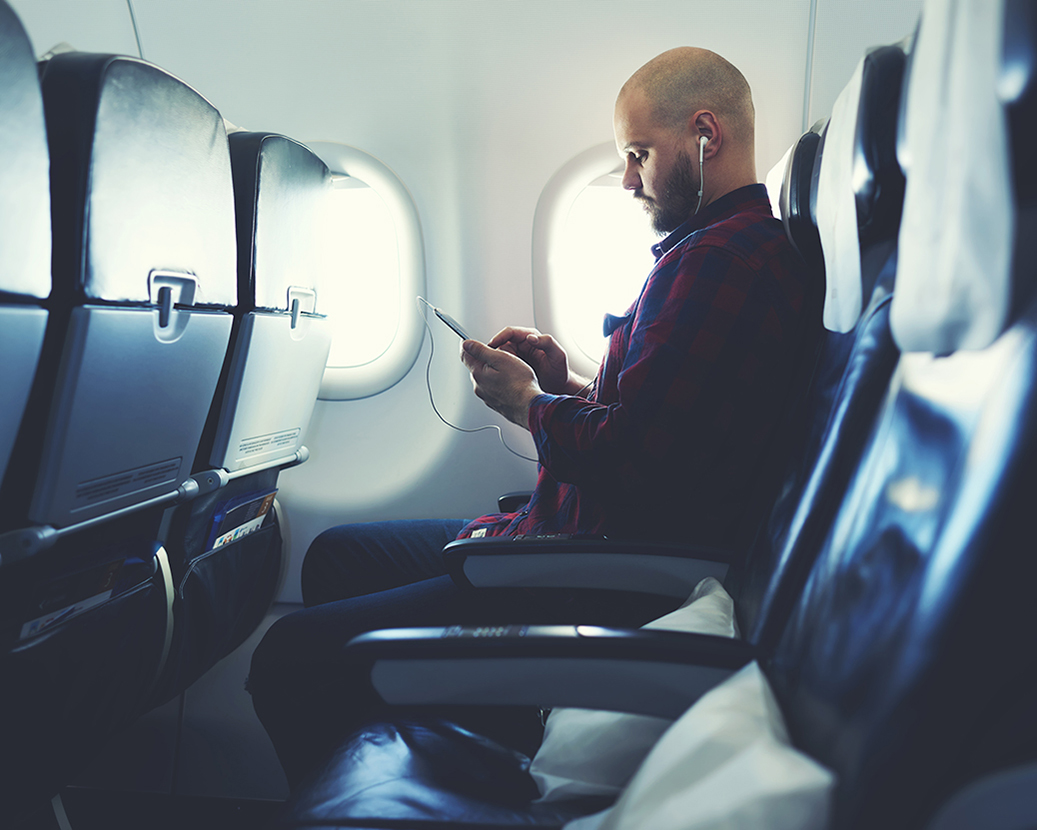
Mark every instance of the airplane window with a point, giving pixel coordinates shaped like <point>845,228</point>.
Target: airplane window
<point>378,269</point>
<point>363,284</point>
<point>591,253</point>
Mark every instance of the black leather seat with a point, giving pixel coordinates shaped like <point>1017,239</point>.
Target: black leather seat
<point>854,367</point>
<point>908,665</point>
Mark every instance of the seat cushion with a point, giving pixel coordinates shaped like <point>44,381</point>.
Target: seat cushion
<point>591,752</point>
<point>404,774</point>
<point>727,762</point>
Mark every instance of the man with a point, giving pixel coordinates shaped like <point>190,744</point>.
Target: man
<point>664,444</point>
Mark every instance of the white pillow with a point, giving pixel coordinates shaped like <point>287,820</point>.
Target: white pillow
<point>725,764</point>
<point>591,752</point>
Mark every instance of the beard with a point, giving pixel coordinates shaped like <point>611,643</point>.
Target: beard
<point>676,203</point>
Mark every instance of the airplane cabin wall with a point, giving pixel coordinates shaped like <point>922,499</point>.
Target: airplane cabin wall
<point>474,104</point>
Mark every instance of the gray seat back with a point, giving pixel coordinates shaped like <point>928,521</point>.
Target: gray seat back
<point>281,340</point>
<point>143,272</point>
<point>25,229</point>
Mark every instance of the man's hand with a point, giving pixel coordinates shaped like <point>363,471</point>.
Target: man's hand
<point>544,355</point>
<point>501,380</point>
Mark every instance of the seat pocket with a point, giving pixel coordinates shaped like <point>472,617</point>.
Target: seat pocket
<point>81,651</point>
<point>221,598</point>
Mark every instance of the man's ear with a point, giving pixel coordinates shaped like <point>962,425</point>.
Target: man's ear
<point>705,123</point>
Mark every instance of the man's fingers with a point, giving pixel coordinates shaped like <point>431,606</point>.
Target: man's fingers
<point>475,354</point>
<point>512,334</point>
<point>544,342</point>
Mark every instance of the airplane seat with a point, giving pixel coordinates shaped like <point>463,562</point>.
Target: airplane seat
<point>856,196</point>
<point>143,271</point>
<point>25,231</point>
<point>908,665</point>
<point>266,394</point>
<point>282,192</point>
<point>142,267</point>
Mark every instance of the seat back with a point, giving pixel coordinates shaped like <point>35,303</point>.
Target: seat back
<point>852,368</point>
<point>143,271</point>
<point>24,229</point>
<point>143,267</point>
<point>144,275</point>
<point>908,664</point>
<point>281,340</point>
<point>227,571</point>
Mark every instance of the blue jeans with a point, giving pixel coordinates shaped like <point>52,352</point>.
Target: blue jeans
<point>363,577</point>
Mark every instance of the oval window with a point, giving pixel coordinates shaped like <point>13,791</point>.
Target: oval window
<point>591,253</point>
<point>378,265</point>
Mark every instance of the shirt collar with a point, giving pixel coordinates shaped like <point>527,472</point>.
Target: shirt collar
<point>723,208</point>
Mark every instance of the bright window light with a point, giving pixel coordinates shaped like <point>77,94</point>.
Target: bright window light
<point>364,282</point>
<point>604,256</point>
<point>591,254</point>
<point>377,271</point>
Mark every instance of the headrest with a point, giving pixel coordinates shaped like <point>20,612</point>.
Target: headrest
<point>954,288</point>
<point>281,191</point>
<point>798,194</point>
<point>837,212</point>
<point>903,152</point>
<point>860,186</point>
<point>774,179</point>
<point>141,181</point>
<point>878,181</point>
<point>24,167</point>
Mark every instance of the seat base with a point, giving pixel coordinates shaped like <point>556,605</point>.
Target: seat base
<point>403,775</point>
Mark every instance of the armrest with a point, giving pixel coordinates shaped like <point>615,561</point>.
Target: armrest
<point>665,569</point>
<point>646,672</point>
<point>513,502</point>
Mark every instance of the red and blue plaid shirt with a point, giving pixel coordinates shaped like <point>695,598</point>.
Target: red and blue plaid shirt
<point>696,378</point>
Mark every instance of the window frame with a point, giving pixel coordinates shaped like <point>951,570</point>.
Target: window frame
<point>343,383</point>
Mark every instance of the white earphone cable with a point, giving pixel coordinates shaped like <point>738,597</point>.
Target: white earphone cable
<point>428,383</point>
<point>702,177</point>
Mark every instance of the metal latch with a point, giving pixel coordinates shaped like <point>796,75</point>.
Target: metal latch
<point>167,290</point>
<point>301,300</point>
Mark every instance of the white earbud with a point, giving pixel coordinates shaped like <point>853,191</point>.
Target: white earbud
<point>702,180</point>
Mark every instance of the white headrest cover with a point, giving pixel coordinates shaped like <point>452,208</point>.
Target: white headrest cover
<point>953,287</point>
<point>837,212</point>
<point>775,176</point>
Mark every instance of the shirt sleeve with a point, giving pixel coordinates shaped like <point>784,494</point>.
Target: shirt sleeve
<point>701,335</point>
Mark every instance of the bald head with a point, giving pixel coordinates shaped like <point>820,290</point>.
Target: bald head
<point>682,81</point>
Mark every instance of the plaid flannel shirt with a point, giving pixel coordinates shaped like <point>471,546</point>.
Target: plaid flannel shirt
<point>696,378</point>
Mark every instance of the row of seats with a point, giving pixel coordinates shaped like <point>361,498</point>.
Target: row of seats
<point>887,597</point>
<point>162,349</point>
